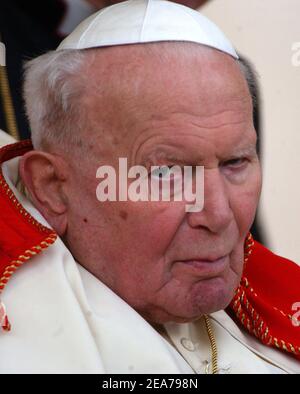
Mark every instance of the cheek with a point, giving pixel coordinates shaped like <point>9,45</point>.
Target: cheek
<point>145,236</point>
<point>244,201</point>
<point>150,227</point>
<point>134,237</point>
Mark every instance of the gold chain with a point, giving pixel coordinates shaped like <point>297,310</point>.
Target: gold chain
<point>213,345</point>
<point>9,111</point>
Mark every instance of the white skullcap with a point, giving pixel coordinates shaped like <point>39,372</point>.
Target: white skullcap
<point>142,21</point>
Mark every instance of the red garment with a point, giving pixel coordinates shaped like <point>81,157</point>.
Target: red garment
<point>263,302</point>
<point>21,236</point>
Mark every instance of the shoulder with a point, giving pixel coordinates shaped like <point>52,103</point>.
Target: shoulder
<point>272,273</point>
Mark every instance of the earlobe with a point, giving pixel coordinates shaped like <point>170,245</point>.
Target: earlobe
<point>44,176</point>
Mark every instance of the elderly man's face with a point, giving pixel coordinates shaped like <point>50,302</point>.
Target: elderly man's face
<point>192,108</point>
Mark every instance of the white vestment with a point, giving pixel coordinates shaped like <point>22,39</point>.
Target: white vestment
<point>5,138</point>
<point>64,320</point>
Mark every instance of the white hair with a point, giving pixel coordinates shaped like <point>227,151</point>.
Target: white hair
<point>54,86</point>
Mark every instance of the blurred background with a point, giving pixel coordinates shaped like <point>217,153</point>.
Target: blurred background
<point>265,32</point>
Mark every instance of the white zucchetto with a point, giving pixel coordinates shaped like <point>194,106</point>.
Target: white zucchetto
<point>144,21</point>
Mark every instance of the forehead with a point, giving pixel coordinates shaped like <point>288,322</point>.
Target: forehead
<point>140,68</point>
<point>164,89</point>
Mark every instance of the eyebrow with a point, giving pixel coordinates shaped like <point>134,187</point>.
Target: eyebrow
<point>180,158</point>
<point>165,154</point>
<point>249,150</point>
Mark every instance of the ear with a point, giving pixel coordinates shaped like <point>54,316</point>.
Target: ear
<point>44,176</point>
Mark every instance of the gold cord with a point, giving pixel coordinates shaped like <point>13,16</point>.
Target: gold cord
<point>9,112</point>
<point>213,345</point>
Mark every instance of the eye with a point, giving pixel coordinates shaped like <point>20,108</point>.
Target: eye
<point>161,172</point>
<point>236,163</point>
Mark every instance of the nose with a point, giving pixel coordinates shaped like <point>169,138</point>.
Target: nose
<point>216,214</point>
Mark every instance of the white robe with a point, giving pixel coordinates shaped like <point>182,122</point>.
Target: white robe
<point>64,320</point>
<point>5,138</point>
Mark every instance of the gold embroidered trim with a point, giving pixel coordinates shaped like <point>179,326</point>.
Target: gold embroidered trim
<point>15,264</point>
<point>256,325</point>
<point>34,250</point>
<point>248,247</point>
<point>6,189</point>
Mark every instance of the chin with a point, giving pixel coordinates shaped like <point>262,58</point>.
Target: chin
<point>213,296</point>
<point>216,298</point>
<point>205,298</point>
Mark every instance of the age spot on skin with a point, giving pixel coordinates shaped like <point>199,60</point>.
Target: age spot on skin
<point>123,215</point>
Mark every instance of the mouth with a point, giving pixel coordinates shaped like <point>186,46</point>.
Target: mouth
<point>207,267</point>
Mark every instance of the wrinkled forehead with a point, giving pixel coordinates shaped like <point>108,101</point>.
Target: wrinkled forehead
<point>164,90</point>
<point>150,62</point>
<point>158,72</point>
